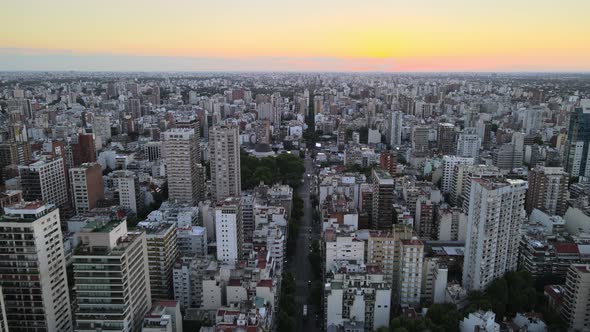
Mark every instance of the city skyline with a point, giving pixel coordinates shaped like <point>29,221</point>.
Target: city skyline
<point>305,36</point>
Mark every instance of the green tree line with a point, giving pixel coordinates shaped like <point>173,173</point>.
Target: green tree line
<point>285,168</point>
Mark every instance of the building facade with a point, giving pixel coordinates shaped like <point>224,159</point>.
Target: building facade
<point>181,151</point>
<point>224,150</point>
<point>494,218</point>
<point>111,276</point>
<point>35,300</point>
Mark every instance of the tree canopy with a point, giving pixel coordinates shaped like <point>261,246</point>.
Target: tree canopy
<point>285,168</point>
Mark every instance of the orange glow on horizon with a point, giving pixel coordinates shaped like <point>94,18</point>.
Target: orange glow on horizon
<point>425,35</point>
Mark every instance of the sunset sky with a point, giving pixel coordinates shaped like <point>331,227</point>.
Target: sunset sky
<point>296,35</point>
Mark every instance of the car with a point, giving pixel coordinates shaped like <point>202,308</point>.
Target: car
<point>309,282</point>
<point>310,238</point>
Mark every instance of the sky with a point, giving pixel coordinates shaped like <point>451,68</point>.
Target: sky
<point>295,35</point>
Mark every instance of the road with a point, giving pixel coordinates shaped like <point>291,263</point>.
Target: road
<point>301,266</point>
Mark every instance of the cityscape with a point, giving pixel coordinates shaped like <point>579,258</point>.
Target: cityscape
<point>247,167</point>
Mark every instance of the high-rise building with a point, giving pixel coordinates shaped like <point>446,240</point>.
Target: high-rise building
<point>181,150</point>
<point>449,163</point>
<point>468,144</point>
<point>495,215</point>
<point>420,141</point>
<point>228,230</point>
<point>424,222</point>
<point>388,162</point>
<point>87,186</point>
<point>394,128</point>
<point>44,180</point>
<point>83,149</point>
<point>3,320</point>
<point>127,186</point>
<point>162,252</point>
<point>452,224</point>
<point>13,154</point>
<point>462,176</point>
<point>153,150</point>
<point>224,152</point>
<point>576,297</point>
<point>133,107</point>
<point>192,241</point>
<point>191,123</point>
<point>507,156</point>
<point>487,135</point>
<point>510,155</point>
<point>111,276</point>
<point>577,161</point>
<point>410,272</point>
<point>382,216</point>
<point>35,286</point>
<point>318,105</point>
<point>101,127</point>
<point>189,273</point>
<point>383,249</point>
<point>446,136</point>
<point>548,190</point>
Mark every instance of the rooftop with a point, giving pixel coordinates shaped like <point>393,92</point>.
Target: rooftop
<point>97,226</point>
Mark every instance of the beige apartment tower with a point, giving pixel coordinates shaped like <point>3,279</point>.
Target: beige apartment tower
<point>34,284</point>
<point>181,151</point>
<point>224,152</point>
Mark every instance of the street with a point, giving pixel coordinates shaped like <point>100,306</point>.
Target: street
<point>301,267</point>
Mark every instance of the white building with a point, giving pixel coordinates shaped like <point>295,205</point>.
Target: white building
<point>468,145</point>
<point>434,280</point>
<point>479,321</point>
<point>449,163</point>
<point>44,180</point>
<point>342,246</point>
<point>228,230</point>
<point>495,215</point>
<point>164,316</point>
<point>188,281</point>
<point>127,185</point>
<point>119,259</point>
<point>42,251</point>
<point>452,224</point>
<point>358,293</point>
